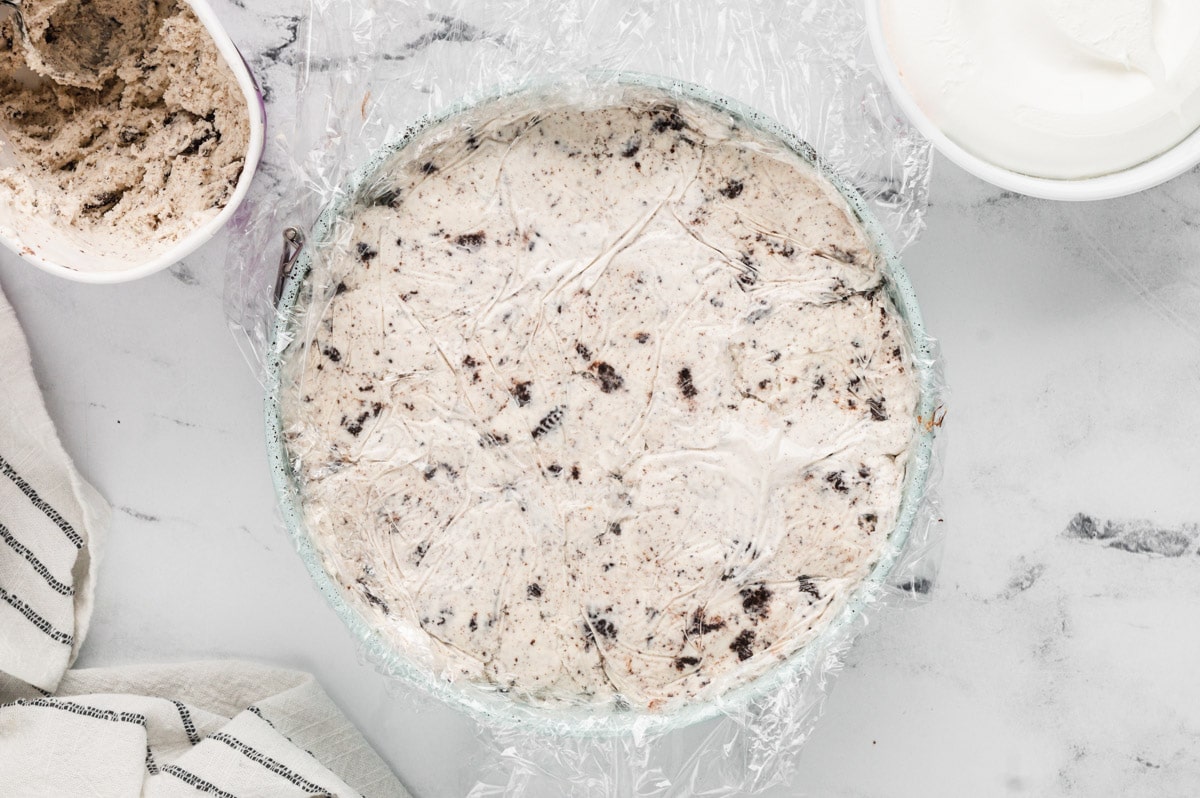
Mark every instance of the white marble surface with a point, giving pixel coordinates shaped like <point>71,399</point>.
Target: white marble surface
<point>1043,664</point>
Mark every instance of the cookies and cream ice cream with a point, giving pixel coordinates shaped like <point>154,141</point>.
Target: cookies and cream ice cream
<point>599,401</point>
<point>119,171</point>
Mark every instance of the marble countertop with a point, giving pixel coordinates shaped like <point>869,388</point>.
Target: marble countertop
<point>1057,654</point>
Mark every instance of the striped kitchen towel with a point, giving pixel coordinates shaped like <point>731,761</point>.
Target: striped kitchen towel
<point>224,729</point>
<point>50,524</point>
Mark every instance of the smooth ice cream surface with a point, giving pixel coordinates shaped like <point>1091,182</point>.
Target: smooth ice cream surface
<point>106,178</point>
<point>600,401</point>
<point>1062,89</point>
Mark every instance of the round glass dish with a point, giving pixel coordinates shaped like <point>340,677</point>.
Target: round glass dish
<point>490,706</point>
<point>1152,172</point>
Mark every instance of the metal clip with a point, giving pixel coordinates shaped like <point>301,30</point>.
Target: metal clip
<point>293,242</point>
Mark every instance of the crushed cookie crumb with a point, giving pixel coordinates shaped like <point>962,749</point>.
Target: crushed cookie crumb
<point>549,423</point>
<point>756,601</point>
<point>837,480</point>
<point>700,625</point>
<point>520,392</point>
<point>732,188</point>
<point>471,241</point>
<point>607,376</point>
<point>741,645</point>
<point>366,252</point>
<point>686,386</point>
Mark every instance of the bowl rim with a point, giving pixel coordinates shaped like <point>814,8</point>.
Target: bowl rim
<point>490,707</point>
<point>1154,171</point>
<point>256,110</point>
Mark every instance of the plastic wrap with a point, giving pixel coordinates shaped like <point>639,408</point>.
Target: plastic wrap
<point>379,86</point>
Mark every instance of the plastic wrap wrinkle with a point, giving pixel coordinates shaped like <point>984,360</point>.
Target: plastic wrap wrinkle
<point>370,70</point>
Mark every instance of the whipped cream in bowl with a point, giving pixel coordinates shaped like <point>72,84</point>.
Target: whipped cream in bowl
<point>1060,99</point>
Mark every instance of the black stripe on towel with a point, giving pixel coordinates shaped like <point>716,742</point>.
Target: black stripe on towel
<point>31,558</point>
<point>186,718</point>
<point>56,635</point>
<point>261,716</point>
<point>191,779</point>
<point>80,709</point>
<point>258,713</point>
<point>278,768</point>
<point>37,502</point>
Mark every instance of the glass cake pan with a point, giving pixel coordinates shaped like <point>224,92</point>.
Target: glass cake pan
<point>492,707</point>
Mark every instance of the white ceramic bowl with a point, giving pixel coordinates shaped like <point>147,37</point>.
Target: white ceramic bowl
<point>1159,169</point>
<point>79,269</point>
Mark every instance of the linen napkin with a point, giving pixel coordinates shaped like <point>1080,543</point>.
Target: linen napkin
<point>48,517</point>
<point>225,729</point>
<point>162,731</point>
